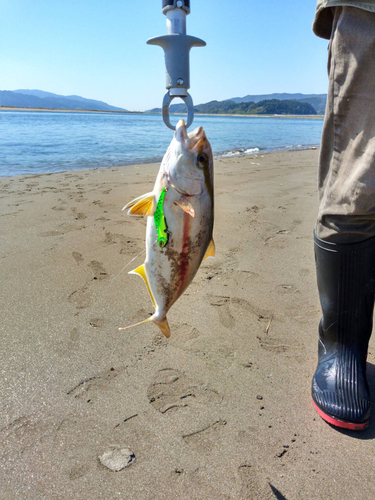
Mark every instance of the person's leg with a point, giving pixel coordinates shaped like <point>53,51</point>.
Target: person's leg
<point>346,177</point>
<point>345,230</point>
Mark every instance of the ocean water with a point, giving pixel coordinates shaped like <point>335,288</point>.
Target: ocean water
<point>34,142</point>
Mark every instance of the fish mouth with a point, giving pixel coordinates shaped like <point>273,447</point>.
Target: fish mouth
<point>181,132</point>
<point>192,139</point>
<point>195,133</point>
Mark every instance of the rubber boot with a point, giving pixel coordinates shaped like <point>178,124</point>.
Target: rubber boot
<point>346,282</point>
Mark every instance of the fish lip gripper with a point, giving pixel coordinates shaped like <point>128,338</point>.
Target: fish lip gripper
<point>177,45</point>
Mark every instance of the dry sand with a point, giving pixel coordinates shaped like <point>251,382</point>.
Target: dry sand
<point>222,409</point>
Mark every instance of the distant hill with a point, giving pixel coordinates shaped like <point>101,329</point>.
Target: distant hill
<point>317,101</point>
<point>24,98</point>
<point>265,107</point>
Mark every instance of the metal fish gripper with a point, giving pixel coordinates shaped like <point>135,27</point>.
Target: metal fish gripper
<point>176,45</point>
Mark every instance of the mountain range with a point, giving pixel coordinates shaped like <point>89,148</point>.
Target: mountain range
<point>24,98</point>
<point>316,101</point>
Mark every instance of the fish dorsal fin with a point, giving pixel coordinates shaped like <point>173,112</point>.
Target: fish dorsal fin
<point>164,327</point>
<point>141,271</point>
<point>210,252</point>
<point>143,205</point>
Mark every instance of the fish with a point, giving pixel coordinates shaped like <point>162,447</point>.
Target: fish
<point>180,220</point>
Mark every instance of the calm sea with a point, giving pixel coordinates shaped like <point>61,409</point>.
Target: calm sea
<point>33,142</point>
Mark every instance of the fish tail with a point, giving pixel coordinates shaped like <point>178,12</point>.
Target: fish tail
<point>162,324</point>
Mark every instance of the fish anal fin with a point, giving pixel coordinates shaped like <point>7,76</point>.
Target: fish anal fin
<point>136,324</point>
<point>210,252</point>
<point>143,205</point>
<point>164,327</point>
<point>141,271</point>
<point>186,206</point>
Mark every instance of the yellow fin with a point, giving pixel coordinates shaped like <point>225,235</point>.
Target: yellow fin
<point>210,252</point>
<point>136,324</point>
<point>164,327</point>
<point>141,271</point>
<point>143,205</point>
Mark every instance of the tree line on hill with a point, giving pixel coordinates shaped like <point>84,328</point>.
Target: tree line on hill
<point>259,104</point>
<point>266,107</point>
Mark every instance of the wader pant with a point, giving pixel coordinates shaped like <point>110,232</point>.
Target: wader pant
<point>345,231</point>
<point>347,154</point>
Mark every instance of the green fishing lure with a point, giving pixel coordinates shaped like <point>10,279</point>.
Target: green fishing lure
<point>160,221</point>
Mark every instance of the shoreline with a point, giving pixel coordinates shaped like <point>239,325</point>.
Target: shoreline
<point>307,117</point>
<point>14,108</point>
<point>217,156</point>
<point>11,108</point>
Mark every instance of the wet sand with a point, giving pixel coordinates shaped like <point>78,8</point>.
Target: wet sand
<point>222,409</point>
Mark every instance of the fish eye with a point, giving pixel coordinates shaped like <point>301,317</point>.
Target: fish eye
<point>202,159</point>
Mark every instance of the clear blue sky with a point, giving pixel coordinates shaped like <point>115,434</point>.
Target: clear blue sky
<point>97,49</point>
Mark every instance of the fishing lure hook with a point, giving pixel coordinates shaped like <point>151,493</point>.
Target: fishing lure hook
<point>177,45</point>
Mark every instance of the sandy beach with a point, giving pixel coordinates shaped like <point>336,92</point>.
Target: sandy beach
<point>222,409</point>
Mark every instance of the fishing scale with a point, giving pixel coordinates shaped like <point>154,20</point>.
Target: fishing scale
<point>176,45</point>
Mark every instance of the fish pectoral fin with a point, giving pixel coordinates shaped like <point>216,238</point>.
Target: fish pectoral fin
<point>136,324</point>
<point>210,252</point>
<point>185,205</point>
<point>143,205</point>
<point>141,271</point>
<point>164,327</point>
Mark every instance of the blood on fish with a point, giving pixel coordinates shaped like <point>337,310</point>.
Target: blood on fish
<point>184,256</point>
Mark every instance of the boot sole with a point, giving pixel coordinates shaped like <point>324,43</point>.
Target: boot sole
<point>340,423</point>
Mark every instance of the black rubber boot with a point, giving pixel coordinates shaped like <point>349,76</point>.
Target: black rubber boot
<point>346,282</point>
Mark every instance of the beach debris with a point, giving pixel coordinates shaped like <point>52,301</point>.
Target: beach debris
<point>180,220</point>
<point>117,459</point>
<point>269,324</point>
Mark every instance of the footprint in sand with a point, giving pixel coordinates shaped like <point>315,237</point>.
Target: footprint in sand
<point>51,233</point>
<point>204,439</point>
<point>79,298</point>
<point>94,384</point>
<point>222,303</point>
<point>126,245</point>
<point>77,257</point>
<point>78,471</point>
<point>273,344</point>
<point>78,215</point>
<point>254,209</point>
<point>23,435</point>
<point>172,389</point>
<point>66,345</point>
<point>252,487</point>
<point>98,269</point>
